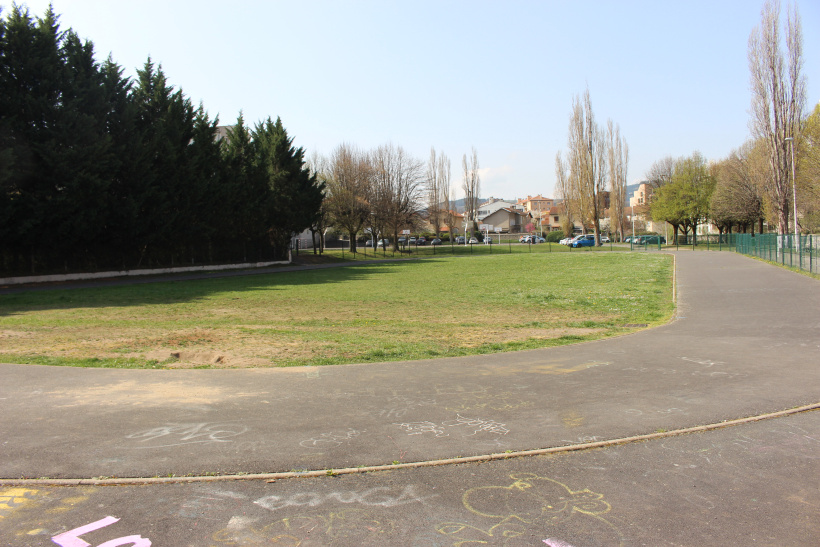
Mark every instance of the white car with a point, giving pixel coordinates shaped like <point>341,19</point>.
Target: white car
<point>605,239</point>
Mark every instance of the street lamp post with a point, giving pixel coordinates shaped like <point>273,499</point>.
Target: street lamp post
<point>794,194</point>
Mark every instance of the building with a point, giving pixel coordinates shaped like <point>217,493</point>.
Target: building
<point>536,205</point>
<point>508,220</point>
<point>491,206</point>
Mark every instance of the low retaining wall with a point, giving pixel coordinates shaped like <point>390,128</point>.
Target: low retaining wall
<point>131,273</point>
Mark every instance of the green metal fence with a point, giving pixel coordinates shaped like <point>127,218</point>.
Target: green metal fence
<point>796,252</point>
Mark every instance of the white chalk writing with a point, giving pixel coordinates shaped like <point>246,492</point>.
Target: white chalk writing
<point>379,496</point>
<point>478,425</point>
<point>188,434</point>
<point>333,439</point>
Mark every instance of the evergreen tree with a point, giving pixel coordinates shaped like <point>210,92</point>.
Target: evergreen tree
<point>30,96</point>
<point>295,195</point>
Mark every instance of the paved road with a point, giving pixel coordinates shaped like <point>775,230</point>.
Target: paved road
<point>746,342</point>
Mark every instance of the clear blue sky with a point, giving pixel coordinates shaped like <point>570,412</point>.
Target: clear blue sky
<point>499,76</point>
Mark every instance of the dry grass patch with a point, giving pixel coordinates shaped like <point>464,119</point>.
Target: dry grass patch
<point>368,312</point>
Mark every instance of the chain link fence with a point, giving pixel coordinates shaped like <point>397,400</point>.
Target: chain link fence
<point>789,250</point>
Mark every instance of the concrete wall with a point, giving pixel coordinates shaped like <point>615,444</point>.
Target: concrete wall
<point>130,273</point>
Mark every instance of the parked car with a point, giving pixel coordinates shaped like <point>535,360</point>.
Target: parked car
<point>473,241</point>
<point>411,241</point>
<point>605,239</point>
<point>460,240</point>
<point>402,241</point>
<point>421,241</point>
<point>584,241</point>
<point>368,243</point>
<point>435,241</point>
<point>649,240</point>
<point>525,238</point>
<point>488,240</point>
<point>565,241</point>
<point>539,239</point>
<point>383,243</point>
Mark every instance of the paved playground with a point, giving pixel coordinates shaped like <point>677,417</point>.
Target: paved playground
<point>572,446</point>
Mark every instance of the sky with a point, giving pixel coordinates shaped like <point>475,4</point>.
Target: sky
<point>453,75</point>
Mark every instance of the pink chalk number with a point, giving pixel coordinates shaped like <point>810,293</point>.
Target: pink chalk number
<point>72,537</point>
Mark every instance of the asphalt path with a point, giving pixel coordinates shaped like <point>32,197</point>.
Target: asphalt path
<point>745,343</point>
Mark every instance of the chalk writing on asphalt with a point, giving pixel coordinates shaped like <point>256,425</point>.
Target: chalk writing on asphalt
<point>179,434</point>
<point>331,439</point>
<point>381,496</point>
<point>477,425</point>
<point>354,527</point>
<point>72,537</point>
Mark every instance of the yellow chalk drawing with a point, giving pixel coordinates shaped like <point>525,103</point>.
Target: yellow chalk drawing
<point>533,505</point>
<point>572,418</point>
<point>14,498</point>
<point>354,527</point>
<point>485,400</point>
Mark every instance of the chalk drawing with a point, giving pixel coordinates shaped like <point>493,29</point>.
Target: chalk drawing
<point>532,505</point>
<point>351,527</point>
<point>379,496</point>
<point>331,439</point>
<point>636,412</point>
<point>13,498</point>
<point>419,428</point>
<point>572,418</point>
<point>402,405</point>
<point>705,362</point>
<point>72,537</point>
<point>180,434</point>
<point>478,425</point>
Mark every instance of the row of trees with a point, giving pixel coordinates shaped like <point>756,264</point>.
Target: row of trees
<point>98,171</point>
<point>596,158</point>
<point>384,191</point>
<point>755,182</point>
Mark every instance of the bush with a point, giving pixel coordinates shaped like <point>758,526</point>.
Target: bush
<point>554,237</point>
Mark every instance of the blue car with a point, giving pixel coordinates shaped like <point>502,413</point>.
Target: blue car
<point>584,241</point>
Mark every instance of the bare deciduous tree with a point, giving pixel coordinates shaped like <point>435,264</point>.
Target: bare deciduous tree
<point>443,169</point>
<point>778,98</point>
<point>349,187</point>
<point>567,193</point>
<point>661,172</point>
<point>319,166</point>
<point>399,178</point>
<point>472,188</point>
<point>434,209</point>
<point>808,172</point>
<point>737,199</point>
<point>618,166</point>
<point>587,162</point>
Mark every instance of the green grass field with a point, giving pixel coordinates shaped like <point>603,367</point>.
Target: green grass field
<point>367,312</point>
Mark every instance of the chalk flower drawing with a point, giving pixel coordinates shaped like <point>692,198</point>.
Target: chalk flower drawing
<point>534,505</point>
